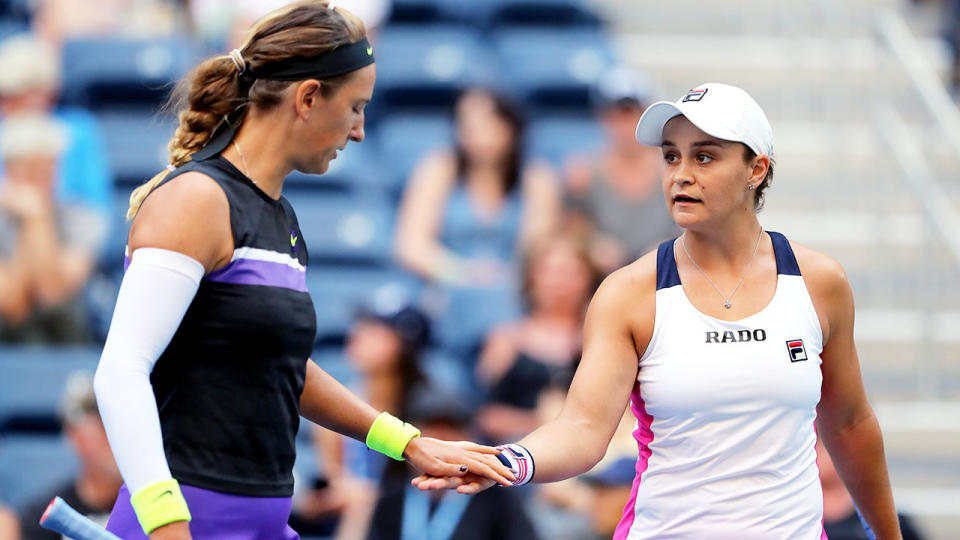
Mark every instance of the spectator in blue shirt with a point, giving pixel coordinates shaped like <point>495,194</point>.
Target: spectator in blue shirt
<point>30,83</point>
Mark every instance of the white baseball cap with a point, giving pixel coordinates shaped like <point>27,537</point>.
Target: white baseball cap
<point>719,110</point>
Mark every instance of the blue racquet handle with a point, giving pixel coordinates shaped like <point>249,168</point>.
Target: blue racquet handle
<point>61,518</point>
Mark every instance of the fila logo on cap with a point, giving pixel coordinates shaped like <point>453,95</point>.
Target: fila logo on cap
<point>695,95</point>
<point>798,352</point>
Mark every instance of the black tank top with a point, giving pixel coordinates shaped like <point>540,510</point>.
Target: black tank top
<point>228,386</point>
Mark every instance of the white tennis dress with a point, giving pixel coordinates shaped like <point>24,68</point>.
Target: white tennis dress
<point>725,417</point>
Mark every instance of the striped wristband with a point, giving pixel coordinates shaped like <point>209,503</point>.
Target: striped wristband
<point>159,504</point>
<point>519,461</point>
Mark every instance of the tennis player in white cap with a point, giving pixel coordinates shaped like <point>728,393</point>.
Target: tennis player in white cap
<point>734,348</point>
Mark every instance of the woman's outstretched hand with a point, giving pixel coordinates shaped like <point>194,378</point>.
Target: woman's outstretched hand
<point>468,484</point>
<point>461,464</point>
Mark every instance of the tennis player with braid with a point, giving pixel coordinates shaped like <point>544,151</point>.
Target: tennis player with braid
<point>205,371</point>
<point>733,345</point>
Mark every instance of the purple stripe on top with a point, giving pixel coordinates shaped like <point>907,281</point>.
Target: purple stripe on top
<point>253,272</point>
<point>215,515</point>
<point>126,262</point>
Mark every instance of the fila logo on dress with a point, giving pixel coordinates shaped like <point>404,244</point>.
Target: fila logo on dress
<point>798,352</point>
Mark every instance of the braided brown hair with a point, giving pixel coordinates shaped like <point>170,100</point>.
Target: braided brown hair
<point>214,90</point>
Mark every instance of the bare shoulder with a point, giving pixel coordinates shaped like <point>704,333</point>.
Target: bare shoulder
<point>173,213</point>
<point>624,306</point>
<point>627,299</point>
<point>820,271</point>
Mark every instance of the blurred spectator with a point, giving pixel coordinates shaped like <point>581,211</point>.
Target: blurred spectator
<point>840,520</point>
<point>467,213</point>
<point>384,349</point>
<point>616,196</point>
<point>94,490</point>
<point>47,249</point>
<point>9,528</point>
<point>520,360</point>
<point>60,20</point>
<point>403,512</point>
<point>223,24</point>
<point>30,84</point>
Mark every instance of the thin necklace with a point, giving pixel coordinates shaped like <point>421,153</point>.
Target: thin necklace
<point>726,299</point>
<point>246,170</point>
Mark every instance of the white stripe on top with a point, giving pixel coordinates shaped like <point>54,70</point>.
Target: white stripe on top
<point>257,254</point>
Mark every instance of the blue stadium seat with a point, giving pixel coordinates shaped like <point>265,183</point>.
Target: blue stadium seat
<point>425,68</point>
<point>356,169</point>
<point>566,14</point>
<point>101,72</point>
<point>556,138</point>
<point>423,12</point>
<point>344,227</point>
<point>32,380</point>
<point>10,27</point>
<point>136,141</point>
<point>405,139</point>
<point>33,465</point>
<point>553,69</point>
<point>339,291</point>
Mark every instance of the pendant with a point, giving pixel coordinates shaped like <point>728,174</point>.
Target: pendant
<point>727,305</point>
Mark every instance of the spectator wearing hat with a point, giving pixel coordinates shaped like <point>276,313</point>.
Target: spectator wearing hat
<point>93,490</point>
<point>383,348</point>
<point>403,512</point>
<point>614,195</point>
<point>30,84</point>
<point>47,248</point>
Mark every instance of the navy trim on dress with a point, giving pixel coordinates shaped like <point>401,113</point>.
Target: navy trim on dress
<point>786,260</point>
<point>667,275</point>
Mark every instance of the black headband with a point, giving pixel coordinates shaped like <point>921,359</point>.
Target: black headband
<point>343,59</point>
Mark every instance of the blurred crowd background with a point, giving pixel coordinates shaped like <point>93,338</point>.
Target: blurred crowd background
<point>453,252</point>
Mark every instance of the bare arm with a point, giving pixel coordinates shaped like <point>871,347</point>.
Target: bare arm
<point>576,440</point>
<point>542,202</point>
<point>330,404</point>
<point>421,211</point>
<point>618,327</point>
<point>845,420</point>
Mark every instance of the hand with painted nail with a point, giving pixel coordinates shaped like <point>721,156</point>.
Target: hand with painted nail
<point>454,459</point>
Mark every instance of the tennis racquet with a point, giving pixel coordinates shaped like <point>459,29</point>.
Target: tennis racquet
<point>61,518</point>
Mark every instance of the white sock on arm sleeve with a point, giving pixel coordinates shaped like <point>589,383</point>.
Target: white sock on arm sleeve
<point>156,291</point>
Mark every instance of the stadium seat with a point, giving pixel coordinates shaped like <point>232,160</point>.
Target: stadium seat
<point>339,291</point>
<point>405,139</point>
<point>556,138</point>
<point>553,69</point>
<point>344,227</point>
<point>424,68</point>
<point>101,72</point>
<point>32,465</point>
<point>357,168</point>
<point>10,27</point>
<point>567,14</point>
<point>32,380</point>
<point>136,141</point>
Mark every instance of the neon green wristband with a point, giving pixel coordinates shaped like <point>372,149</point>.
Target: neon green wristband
<point>389,435</point>
<point>159,504</point>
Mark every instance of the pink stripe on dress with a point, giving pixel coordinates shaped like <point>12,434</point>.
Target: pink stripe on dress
<point>644,436</point>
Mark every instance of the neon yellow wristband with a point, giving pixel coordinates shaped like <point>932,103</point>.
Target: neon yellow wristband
<point>389,435</point>
<point>159,504</point>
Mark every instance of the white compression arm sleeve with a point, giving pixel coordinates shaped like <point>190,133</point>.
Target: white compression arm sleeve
<point>156,291</point>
